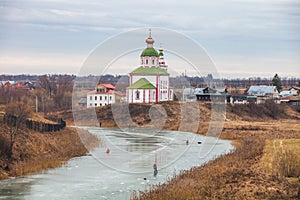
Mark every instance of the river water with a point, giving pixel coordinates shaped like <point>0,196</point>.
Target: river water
<point>127,168</point>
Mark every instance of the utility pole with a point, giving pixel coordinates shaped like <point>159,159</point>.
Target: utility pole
<point>36,104</point>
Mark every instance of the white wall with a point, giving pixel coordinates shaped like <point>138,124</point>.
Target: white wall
<point>164,92</point>
<point>106,99</point>
<point>150,61</point>
<point>163,88</point>
<point>144,95</point>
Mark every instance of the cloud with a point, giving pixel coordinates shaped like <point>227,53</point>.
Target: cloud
<point>39,63</point>
<point>246,28</point>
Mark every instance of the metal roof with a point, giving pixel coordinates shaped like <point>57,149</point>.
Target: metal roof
<point>261,90</point>
<point>142,84</point>
<point>82,101</point>
<point>151,71</point>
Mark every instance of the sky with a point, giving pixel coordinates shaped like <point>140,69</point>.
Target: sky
<point>243,38</point>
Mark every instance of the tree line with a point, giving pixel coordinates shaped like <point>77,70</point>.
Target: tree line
<point>51,93</point>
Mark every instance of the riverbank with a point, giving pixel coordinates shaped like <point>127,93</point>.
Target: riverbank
<point>243,174</point>
<point>34,151</point>
<point>239,175</point>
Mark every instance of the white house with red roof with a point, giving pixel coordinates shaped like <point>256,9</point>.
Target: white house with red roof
<point>150,82</point>
<point>104,94</point>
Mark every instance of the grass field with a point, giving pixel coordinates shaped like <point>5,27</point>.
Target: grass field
<point>282,157</point>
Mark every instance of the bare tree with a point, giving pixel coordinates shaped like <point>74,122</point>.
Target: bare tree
<point>17,112</point>
<point>48,83</point>
<point>63,97</point>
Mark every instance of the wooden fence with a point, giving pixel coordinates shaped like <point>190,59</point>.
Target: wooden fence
<point>37,125</point>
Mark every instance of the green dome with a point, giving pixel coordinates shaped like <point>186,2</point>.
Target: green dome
<point>149,52</point>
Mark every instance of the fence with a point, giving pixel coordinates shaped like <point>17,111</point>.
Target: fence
<point>37,125</point>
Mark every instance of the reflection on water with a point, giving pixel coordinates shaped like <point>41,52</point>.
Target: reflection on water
<point>128,167</point>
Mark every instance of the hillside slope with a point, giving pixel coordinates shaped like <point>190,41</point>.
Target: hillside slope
<point>34,151</point>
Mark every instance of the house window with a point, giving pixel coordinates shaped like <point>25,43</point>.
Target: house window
<point>100,90</point>
<point>153,62</point>
<point>105,97</point>
<point>146,62</point>
<point>100,104</point>
<point>91,104</point>
<point>110,98</point>
<point>95,104</point>
<point>137,94</point>
<point>95,97</point>
<point>100,98</point>
<point>91,98</point>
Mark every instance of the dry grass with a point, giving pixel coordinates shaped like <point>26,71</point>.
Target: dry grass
<point>40,118</point>
<point>233,176</point>
<point>282,157</point>
<point>35,151</point>
<point>239,175</point>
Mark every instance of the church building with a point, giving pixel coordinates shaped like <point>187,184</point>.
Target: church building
<point>150,82</point>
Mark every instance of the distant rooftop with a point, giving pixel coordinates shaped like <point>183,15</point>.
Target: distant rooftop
<point>261,90</point>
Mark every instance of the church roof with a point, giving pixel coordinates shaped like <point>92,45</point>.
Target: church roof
<point>151,71</point>
<point>142,84</point>
<point>150,51</point>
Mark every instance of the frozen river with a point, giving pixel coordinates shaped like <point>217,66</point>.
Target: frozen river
<point>128,167</point>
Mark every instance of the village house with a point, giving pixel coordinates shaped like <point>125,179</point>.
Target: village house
<point>150,82</point>
<point>104,94</point>
<point>263,93</point>
<point>82,102</point>
<point>17,85</point>
<point>242,99</point>
<point>212,94</point>
<point>290,96</point>
<point>293,91</point>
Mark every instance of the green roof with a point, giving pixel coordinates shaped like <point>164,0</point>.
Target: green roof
<point>142,84</point>
<point>149,52</point>
<point>151,70</point>
<point>161,54</point>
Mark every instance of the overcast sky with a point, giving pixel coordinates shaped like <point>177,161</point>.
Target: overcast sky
<point>244,38</point>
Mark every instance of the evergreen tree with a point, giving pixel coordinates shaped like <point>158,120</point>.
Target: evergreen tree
<point>276,81</point>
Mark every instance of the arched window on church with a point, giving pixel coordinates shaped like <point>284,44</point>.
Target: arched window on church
<point>146,62</point>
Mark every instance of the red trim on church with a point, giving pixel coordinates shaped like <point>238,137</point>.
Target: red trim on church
<point>156,98</point>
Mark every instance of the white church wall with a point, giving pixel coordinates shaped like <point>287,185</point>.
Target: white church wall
<point>163,88</point>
